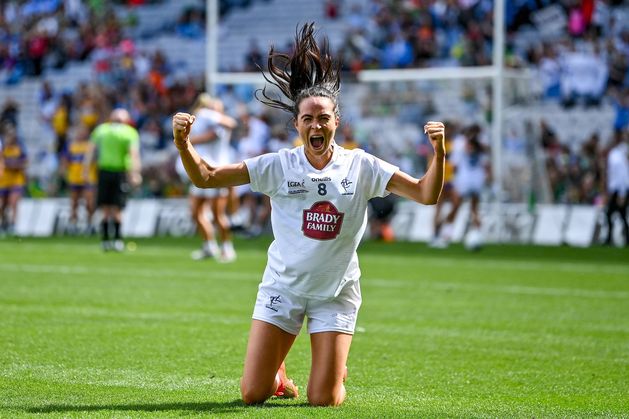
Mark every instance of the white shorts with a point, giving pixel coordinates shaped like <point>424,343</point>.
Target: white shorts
<point>470,185</point>
<point>207,192</point>
<point>276,305</point>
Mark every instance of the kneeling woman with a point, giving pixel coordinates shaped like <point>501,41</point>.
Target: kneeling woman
<point>319,193</point>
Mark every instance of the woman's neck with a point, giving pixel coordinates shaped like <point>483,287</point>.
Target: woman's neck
<point>319,162</point>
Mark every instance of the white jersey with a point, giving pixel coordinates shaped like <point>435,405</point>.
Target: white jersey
<point>318,216</point>
<point>215,152</point>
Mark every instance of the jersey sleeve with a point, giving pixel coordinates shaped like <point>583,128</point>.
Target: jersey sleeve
<point>377,172</point>
<point>265,173</point>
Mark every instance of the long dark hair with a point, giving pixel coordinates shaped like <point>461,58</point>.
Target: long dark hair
<point>310,71</point>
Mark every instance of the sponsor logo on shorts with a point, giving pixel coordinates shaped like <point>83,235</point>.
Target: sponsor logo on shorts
<point>274,300</point>
<point>322,221</point>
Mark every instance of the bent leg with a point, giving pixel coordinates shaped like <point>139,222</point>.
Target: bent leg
<point>329,358</point>
<point>456,203</point>
<point>475,219</point>
<point>267,347</point>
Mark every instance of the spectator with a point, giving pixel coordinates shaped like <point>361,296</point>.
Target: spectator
<point>10,112</point>
<point>80,184</point>
<point>253,58</point>
<point>12,178</point>
<point>331,9</point>
<point>618,185</point>
<point>191,23</point>
<point>583,77</point>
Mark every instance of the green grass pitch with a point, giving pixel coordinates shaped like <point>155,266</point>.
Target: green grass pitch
<point>510,331</point>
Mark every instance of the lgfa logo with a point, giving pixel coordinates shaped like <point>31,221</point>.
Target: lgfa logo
<point>322,221</point>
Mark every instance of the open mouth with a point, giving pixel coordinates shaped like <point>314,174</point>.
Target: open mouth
<point>317,141</point>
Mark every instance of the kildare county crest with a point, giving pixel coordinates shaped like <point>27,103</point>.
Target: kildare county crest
<point>322,221</point>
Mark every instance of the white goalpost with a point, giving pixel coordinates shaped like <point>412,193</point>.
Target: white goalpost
<point>388,106</point>
<point>495,73</point>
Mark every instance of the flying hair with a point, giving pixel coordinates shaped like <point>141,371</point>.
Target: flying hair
<point>310,71</point>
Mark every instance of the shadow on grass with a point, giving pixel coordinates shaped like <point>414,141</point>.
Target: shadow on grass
<point>209,407</point>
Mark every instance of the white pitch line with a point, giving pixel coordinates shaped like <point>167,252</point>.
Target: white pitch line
<point>511,265</point>
<point>91,312</point>
<point>112,377</point>
<point>378,282</point>
<point>150,273</point>
<point>528,290</point>
<point>502,289</point>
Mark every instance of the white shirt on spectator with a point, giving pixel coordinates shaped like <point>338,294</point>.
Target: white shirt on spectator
<point>583,74</point>
<point>618,169</point>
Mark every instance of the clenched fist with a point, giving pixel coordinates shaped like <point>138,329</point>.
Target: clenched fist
<point>182,122</point>
<point>436,134</point>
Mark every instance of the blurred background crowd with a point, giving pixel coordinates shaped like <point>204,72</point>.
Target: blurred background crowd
<point>64,64</point>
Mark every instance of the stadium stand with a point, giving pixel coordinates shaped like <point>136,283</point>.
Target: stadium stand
<point>155,52</point>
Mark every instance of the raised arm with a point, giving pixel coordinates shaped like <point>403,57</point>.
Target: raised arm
<point>202,174</point>
<point>427,189</point>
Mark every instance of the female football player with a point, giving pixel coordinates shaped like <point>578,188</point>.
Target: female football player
<point>319,193</point>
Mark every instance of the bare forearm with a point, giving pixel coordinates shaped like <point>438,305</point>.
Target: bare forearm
<point>425,190</point>
<point>432,182</point>
<point>197,169</point>
<point>203,175</point>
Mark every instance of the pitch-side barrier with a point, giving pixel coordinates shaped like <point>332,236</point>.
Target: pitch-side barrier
<point>552,225</point>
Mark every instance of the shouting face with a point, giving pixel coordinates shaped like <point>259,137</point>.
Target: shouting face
<point>316,124</point>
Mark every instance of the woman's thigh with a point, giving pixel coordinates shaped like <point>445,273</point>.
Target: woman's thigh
<point>267,347</point>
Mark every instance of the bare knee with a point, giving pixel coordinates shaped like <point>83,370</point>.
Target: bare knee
<point>323,397</point>
<point>254,394</point>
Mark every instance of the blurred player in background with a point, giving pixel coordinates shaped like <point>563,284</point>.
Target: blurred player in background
<point>116,147</point>
<point>210,135</point>
<point>80,184</point>
<point>618,185</point>
<point>440,240</point>
<point>319,193</point>
<point>467,170</point>
<point>470,177</point>
<point>12,177</point>
<point>255,141</point>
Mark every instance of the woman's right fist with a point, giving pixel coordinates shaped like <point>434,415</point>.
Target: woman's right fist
<point>182,122</point>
